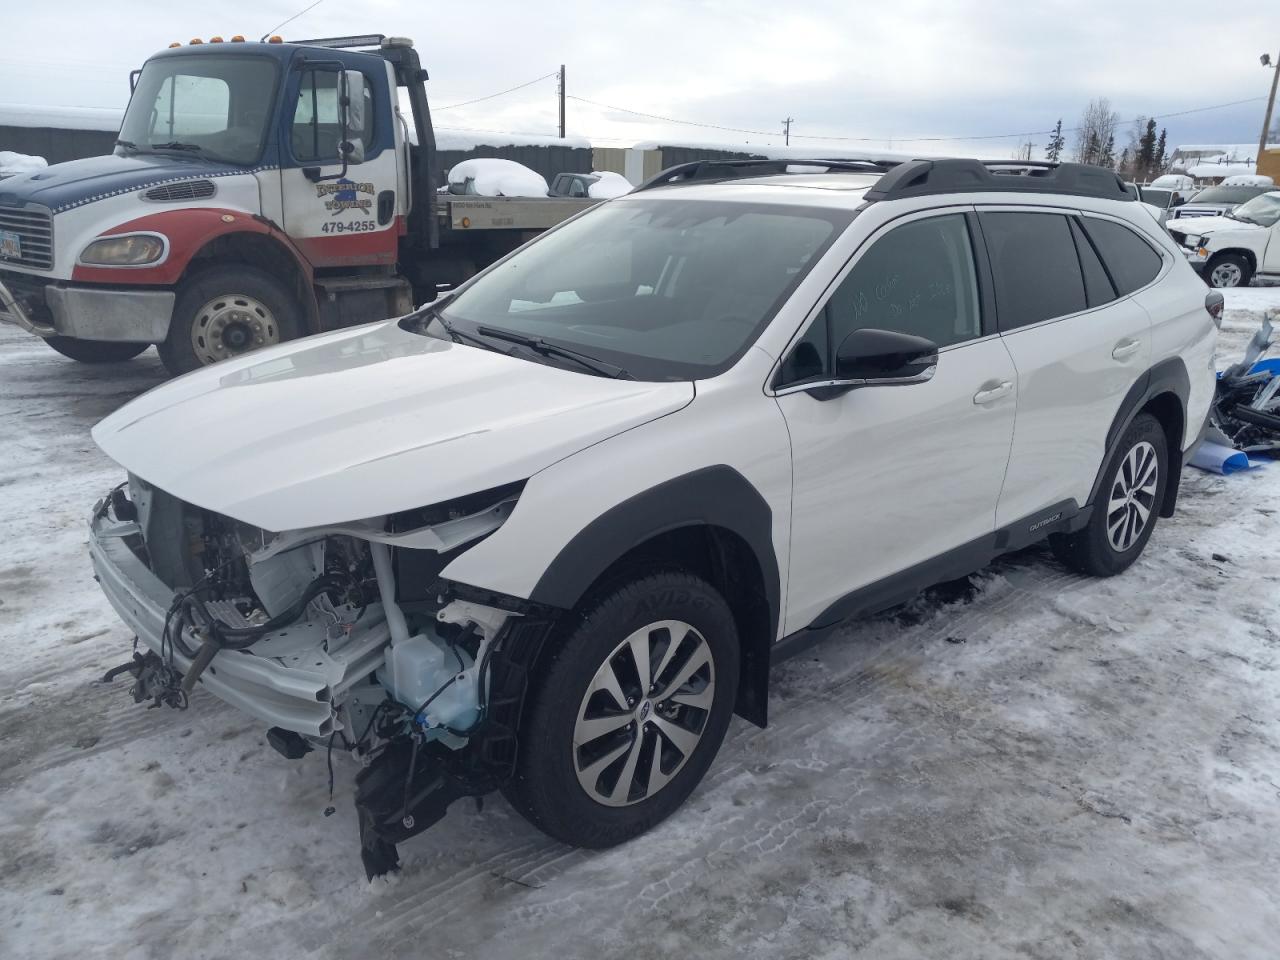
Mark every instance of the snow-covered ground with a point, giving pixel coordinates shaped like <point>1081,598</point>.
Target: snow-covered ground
<point>1040,766</point>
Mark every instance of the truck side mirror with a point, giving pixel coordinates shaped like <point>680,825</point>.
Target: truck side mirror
<point>351,110</point>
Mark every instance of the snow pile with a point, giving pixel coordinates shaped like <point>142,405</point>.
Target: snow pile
<point>14,163</point>
<point>1248,180</point>
<point>491,177</point>
<point>609,185</point>
<point>1210,171</point>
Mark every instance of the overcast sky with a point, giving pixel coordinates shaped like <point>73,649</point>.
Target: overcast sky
<point>887,71</point>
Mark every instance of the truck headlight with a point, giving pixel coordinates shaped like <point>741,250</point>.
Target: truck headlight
<point>129,250</point>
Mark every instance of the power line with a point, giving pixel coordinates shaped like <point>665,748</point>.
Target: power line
<point>814,136</point>
<point>500,93</point>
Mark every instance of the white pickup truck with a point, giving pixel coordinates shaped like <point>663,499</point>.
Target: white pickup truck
<point>1229,251</point>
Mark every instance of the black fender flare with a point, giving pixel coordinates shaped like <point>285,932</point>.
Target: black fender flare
<point>715,496</point>
<point>1168,376</point>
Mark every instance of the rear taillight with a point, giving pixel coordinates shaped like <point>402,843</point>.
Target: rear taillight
<point>1214,302</point>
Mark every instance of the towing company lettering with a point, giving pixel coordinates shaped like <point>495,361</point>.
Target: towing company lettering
<point>346,196</point>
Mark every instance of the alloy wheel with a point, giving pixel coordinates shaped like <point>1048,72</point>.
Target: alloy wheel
<point>231,325</point>
<point>1132,496</point>
<point>644,713</point>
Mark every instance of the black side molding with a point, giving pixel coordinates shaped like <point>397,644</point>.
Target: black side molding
<point>1064,517</point>
<point>717,497</point>
<point>1167,377</point>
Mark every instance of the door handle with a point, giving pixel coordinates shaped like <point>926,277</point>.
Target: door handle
<point>1126,348</point>
<point>993,390</point>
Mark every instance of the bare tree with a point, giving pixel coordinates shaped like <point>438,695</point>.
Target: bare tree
<point>1097,128</point>
<point>1022,151</point>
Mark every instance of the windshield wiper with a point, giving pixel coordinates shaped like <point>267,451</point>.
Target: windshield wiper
<point>431,311</point>
<point>538,345</point>
<point>178,145</point>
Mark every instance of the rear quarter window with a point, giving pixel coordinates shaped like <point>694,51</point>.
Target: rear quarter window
<point>1129,259</point>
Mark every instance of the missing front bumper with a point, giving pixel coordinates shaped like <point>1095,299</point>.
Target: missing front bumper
<point>295,688</point>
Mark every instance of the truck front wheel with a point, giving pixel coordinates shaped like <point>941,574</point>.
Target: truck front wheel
<point>96,351</point>
<point>226,311</point>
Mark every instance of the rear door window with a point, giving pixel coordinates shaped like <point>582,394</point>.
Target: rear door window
<point>1037,270</point>
<point>1130,260</point>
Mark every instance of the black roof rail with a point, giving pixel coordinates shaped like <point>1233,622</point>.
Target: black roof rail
<point>922,178</point>
<point>718,171</point>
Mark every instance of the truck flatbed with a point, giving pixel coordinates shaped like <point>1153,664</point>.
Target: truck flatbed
<point>459,212</point>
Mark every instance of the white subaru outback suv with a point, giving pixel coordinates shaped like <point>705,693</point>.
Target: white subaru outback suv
<point>547,534</point>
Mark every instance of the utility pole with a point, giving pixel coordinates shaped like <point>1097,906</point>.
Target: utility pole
<point>561,91</point>
<point>786,129</point>
<point>1271,103</point>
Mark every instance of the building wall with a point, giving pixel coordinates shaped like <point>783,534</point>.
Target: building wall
<point>1269,163</point>
<point>56,145</point>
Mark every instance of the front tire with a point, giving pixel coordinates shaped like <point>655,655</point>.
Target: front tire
<point>1228,270</point>
<point>628,712</point>
<point>226,311</point>
<point>1127,507</point>
<point>95,351</point>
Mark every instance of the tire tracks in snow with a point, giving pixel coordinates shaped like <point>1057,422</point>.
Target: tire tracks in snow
<point>421,902</point>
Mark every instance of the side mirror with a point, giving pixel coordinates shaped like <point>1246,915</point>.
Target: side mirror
<point>885,357</point>
<point>351,110</point>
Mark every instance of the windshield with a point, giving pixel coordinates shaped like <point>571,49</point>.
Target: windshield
<point>1264,210</point>
<point>665,289</point>
<point>1232,195</point>
<point>210,106</point>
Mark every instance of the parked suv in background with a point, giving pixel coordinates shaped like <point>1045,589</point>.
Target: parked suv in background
<point>548,534</point>
<point>1216,201</point>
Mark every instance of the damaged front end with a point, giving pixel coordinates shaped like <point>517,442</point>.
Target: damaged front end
<point>333,635</point>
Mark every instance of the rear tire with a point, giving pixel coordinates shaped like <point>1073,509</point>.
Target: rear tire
<point>661,741</point>
<point>1228,270</point>
<point>95,351</point>
<point>226,311</point>
<point>1127,505</point>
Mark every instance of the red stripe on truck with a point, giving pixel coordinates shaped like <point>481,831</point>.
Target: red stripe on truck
<point>188,232</point>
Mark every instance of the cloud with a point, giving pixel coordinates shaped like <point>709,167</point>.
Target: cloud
<point>913,68</point>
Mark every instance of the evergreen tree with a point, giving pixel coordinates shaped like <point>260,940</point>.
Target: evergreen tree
<point>1125,167</point>
<point>1144,163</point>
<point>1053,152</point>
<point>1159,157</point>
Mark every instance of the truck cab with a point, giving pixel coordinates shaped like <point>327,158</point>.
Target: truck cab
<point>257,192</point>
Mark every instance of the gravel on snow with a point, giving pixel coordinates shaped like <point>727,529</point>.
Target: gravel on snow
<point>1037,766</point>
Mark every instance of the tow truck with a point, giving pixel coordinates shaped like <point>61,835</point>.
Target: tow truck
<point>258,192</point>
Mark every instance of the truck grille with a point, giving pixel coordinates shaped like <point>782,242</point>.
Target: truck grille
<point>34,227</point>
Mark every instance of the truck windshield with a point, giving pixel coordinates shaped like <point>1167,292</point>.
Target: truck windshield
<point>665,289</point>
<point>211,106</point>
<point>1227,194</point>
<point>1264,210</point>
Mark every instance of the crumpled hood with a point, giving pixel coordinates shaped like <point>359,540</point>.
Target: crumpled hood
<point>1196,226</point>
<point>365,422</point>
<point>71,184</point>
